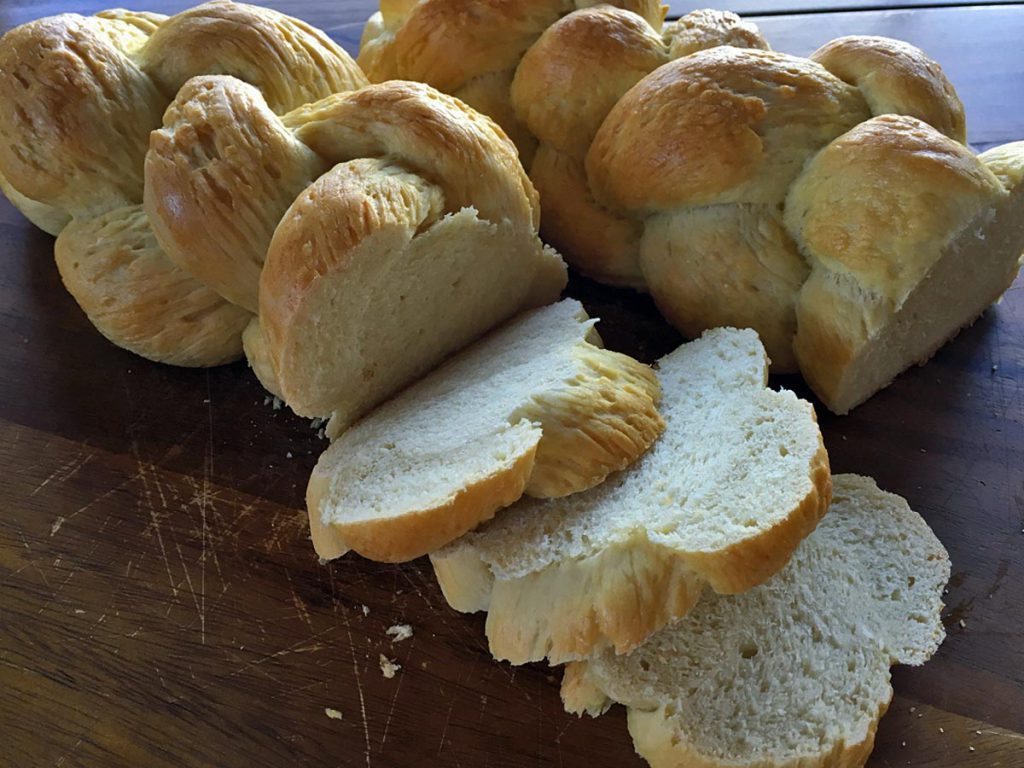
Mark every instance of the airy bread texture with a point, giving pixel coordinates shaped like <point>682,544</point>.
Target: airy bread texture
<point>534,407</point>
<point>380,230</point>
<point>79,96</point>
<point>738,478</point>
<point>828,203</point>
<point>794,673</point>
<point>548,71</point>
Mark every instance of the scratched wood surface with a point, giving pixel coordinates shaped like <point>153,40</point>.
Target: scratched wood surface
<point>161,605</point>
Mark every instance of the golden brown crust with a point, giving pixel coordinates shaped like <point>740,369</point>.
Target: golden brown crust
<point>896,78</point>
<point>137,298</point>
<point>409,536</point>
<point>77,113</point>
<point>722,125</point>
<point>707,28</point>
<point>572,76</point>
<point>880,201</point>
<point>80,96</point>
<point>219,176</point>
<point>289,61</point>
<point>460,150</point>
<point>600,243</point>
<point>601,424</point>
<point>572,609</point>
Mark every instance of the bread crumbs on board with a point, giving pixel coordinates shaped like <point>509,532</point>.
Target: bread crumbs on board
<point>399,632</point>
<point>388,668</point>
<point>332,713</point>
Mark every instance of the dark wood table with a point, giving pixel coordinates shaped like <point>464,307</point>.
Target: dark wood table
<point>161,605</point>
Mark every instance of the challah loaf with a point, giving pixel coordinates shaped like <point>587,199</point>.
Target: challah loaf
<point>79,96</point>
<point>387,228</point>
<point>794,672</point>
<point>718,158</point>
<point>723,497</point>
<point>534,407</point>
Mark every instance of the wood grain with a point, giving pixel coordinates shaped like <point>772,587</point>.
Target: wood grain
<point>160,603</point>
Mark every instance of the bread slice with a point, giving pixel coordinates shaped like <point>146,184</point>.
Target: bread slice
<point>795,672</point>
<point>535,407</point>
<point>738,478</point>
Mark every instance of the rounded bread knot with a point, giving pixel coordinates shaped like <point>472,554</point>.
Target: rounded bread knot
<point>391,226</point>
<point>564,89</point>
<point>470,49</point>
<point>80,96</point>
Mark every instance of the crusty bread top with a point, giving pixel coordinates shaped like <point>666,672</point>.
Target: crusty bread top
<point>722,125</point>
<point>880,201</point>
<point>896,78</point>
<point>532,407</point>
<point>796,671</point>
<point>738,478</point>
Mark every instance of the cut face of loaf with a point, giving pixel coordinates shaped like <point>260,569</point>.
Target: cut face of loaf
<point>738,478</point>
<point>535,407</point>
<point>796,671</point>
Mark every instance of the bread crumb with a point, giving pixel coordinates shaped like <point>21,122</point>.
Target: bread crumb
<point>963,624</point>
<point>322,434</point>
<point>971,748</point>
<point>288,455</point>
<point>995,368</point>
<point>317,422</point>
<point>978,732</point>
<point>942,730</point>
<point>366,610</point>
<point>277,403</point>
<point>903,744</point>
<point>388,668</point>
<point>913,709</point>
<point>332,713</point>
<point>399,632</point>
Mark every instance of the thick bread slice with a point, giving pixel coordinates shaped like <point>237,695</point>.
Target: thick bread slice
<point>738,478</point>
<point>794,673</point>
<point>535,407</point>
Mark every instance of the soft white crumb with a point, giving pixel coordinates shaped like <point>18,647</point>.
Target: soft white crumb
<point>288,455</point>
<point>399,632</point>
<point>276,403</point>
<point>978,732</point>
<point>366,610</point>
<point>971,748</point>
<point>913,709</point>
<point>79,611</point>
<point>322,434</point>
<point>963,624</point>
<point>942,730</point>
<point>332,713</point>
<point>388,668</point>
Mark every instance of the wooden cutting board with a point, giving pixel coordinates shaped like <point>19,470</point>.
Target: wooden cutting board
<point>161,605</point>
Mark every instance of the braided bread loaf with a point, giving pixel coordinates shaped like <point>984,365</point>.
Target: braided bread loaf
<point>770,197</point>
<point>80,96</point>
